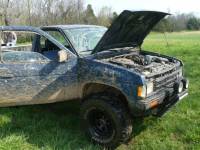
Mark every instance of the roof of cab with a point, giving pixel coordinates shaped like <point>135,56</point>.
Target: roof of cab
<point>20,28</point>
<point>72,26</point>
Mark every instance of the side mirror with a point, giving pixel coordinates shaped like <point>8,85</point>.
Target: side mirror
<point>63,56</point>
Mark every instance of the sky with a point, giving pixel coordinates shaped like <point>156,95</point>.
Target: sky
<point>172,6</point>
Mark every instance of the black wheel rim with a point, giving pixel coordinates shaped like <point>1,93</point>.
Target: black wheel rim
<point>101,126</point>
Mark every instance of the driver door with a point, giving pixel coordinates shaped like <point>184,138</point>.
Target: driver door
<point>28,77</point>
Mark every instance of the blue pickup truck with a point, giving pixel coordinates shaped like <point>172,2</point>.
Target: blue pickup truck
<point>105,69</point>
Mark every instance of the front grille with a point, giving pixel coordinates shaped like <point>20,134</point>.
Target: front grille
<point>165,81</point>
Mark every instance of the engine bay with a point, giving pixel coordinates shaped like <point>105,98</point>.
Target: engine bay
<point>148,65</point>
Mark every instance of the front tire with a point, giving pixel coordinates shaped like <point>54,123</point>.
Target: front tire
<point>106,120</point>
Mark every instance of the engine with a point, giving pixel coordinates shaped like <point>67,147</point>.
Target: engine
<point>148,65</point>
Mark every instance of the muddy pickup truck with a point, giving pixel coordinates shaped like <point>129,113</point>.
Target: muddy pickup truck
<point>105,69</point>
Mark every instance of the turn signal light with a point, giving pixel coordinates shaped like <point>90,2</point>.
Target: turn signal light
<point>153,104</point>
<point>141,91</point>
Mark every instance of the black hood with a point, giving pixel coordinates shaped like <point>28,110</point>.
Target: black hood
<point>129,29</point>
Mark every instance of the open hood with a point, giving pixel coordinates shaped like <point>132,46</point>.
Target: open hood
<point>129,29</point>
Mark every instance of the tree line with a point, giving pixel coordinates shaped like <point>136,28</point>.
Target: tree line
<point>178,22</point>
<point>51,12</point>
<point>48,12</point>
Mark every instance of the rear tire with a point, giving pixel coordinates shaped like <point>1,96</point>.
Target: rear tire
<point>106,120</point>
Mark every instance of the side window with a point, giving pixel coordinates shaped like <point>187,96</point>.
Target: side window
<point>23,57</point>
<point>48,49</point>
<point>17,41</point>
<point>59,37</point>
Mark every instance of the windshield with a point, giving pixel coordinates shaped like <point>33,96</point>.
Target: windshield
<point>85,39</point>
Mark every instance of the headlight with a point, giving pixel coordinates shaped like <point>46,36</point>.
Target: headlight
<point>180,73</point>
<point>149,88</point>
<point>143,91</point>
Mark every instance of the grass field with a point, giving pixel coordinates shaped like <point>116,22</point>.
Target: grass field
<point>58,126</point>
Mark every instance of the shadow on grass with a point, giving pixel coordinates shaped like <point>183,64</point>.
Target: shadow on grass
<point>51,126</point>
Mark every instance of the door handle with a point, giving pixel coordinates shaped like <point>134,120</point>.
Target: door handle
<point>5,73</point>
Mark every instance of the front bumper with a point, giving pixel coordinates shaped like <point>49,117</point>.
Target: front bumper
<point>159,104</point>
<point>167,104</point>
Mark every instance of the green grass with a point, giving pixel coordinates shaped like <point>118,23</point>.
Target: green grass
<point>58,126</point>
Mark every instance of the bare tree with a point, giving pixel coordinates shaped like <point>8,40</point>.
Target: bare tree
<point>4,5</point>
<point>105,16</point>
<point>29,2</point>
